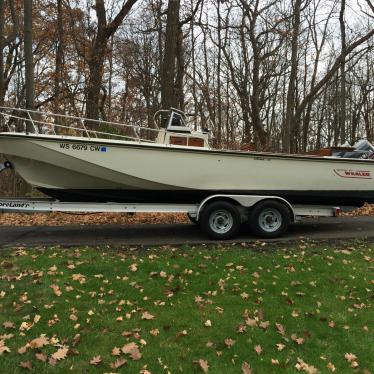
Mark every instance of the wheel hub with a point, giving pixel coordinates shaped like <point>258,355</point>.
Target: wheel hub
<point>270,220</point>
<point>221,221</point>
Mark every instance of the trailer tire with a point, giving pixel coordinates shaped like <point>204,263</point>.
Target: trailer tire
<point>269,219</point>
<point>220,220</point>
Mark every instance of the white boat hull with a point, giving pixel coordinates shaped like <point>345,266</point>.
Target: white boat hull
<point>71,168</point>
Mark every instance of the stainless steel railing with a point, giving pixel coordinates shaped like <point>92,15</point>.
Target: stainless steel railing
<point>22,120</point>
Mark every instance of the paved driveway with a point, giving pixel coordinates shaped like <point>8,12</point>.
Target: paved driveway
<point>316,229</point>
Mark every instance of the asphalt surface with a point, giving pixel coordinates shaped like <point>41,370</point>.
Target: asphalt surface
<point>176,234</point>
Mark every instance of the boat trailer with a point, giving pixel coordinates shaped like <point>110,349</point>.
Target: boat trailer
<point>219,216</point>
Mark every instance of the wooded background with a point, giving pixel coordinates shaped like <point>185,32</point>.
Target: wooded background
<point>280,75</point>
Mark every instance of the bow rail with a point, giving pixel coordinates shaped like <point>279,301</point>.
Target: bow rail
<point>22,120</point>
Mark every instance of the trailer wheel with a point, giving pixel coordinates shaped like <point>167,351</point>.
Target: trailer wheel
<point>192,219</point>
<point>220,220</point>
<point>7,164</point>
<point>269,219</point>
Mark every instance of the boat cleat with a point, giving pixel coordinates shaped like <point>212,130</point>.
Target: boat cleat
<point>5,165</point>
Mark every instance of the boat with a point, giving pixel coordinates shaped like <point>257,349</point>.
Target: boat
<point>73,159</point>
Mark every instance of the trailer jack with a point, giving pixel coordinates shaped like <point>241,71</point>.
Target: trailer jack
<point>5,165</point>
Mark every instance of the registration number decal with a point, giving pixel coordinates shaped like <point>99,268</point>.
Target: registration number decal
<point>83,147</point>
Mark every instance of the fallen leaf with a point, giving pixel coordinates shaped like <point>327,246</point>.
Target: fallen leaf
<point>26,365</point>
<point>4,349</point>
<point>147,316</point>
<point>116,351</point>
<point>154,332</point>
<point>297,340</point>
<point>251,322</point>
<point>133,267</point>
<point>280,329</point>
<point>264,325</point>
<point>127,348</point>
<point>39,342</point>
<point>204,365</point>
<point>8,325</point>
<point>258,349</point>
<point>350,357</point>
<point>135,355</point>
<point>303,366</point>
<point>331,367</point>
<point>60,354</point>
<point>118,363</point>
<point>22,350</point>
<point>41,356</point>
<point>76,339</point>
<point>246,369</point>
<point>229,342</point>
<point>96,360</point>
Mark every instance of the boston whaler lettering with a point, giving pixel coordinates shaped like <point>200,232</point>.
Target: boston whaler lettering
<point>73,160</point>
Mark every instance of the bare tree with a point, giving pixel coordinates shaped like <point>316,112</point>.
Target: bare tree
<point>2,43</point>
<point>59,57</point>
<point>29,62</point>
<point>169,98</point>
<point>97,53</point>
<point>342,101</point>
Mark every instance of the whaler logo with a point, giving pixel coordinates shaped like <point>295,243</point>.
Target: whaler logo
<point>14,205</point>
<point>361,174</point>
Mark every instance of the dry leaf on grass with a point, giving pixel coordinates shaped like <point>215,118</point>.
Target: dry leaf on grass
<point>154,332</point>
<point>204,365</point>
<point>331,367</point>
<point>350,357</point>
<point>135,355</point>
<point>246,369</point>
<point>39,342</point>
<point>303,366</point>
<point>229,342</point>
<point>8,325</point>
<point>258,349</point>
<point>118,363</point>
<point>4,349</point>
<point>127,348</point>
<point>297,340</point>
<point>26,365</point>
<point>60,354</point>
<point>147,316</point>
<point>96,360</point>
<point>23,349</point>
<point>116,351</point>
<point>280,329</point>
<point>41,356</point>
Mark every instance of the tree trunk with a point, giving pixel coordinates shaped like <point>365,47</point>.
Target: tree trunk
<point>2,20</point>
<point>342,97</point>
<point>169,98</point>
<point>219,99</point>
<point>289,123</point>
<point>29,63</point>
<point>59,58</point>
<point>97,54</point>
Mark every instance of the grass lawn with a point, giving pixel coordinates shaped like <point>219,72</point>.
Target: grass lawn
<point>237,309</point>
